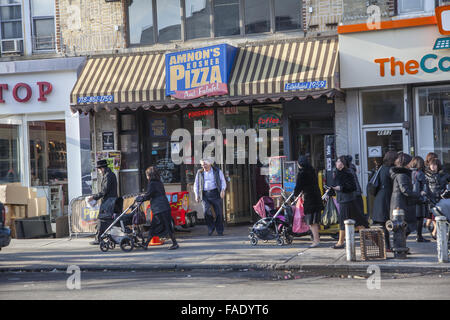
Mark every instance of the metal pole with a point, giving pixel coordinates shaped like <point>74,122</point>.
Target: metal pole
<point>350,239</point>
<point>442,244</point>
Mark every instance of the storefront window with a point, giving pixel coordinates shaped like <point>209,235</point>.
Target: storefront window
<point>158,148</point>
<point>169,20</point>
<point>226,18</point>
<point>48,161</point>
<point>257,16</point>
<point>197,19</point>
<point>433,127</point>
<point>269,117</point>
<point>206,116</point>
<point>9,153</point>
<point>385,106</point>
<point>129,147</point>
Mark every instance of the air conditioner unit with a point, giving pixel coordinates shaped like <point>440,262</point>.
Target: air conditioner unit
<point>11,46</point>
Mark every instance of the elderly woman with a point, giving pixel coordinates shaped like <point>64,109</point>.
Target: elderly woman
<point>159,204</point>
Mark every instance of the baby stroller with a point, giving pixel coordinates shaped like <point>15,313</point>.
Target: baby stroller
<point>274,224</point>
<point>129,234</point>
<point>441,207</point>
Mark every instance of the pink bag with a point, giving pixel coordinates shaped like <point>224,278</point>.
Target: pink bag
<point>299,225</point>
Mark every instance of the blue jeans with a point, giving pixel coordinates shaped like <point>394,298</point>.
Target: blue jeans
<point>212,199</point>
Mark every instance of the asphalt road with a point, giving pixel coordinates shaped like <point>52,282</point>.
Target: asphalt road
<point>227,285</point>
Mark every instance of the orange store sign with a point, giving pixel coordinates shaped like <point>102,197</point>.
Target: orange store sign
<point>429,63</point>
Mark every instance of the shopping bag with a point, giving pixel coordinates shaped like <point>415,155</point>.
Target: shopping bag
<point>374,183</point>
<point>330,213</point>
<point>299,225</point>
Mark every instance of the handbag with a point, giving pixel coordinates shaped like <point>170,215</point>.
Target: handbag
<point>374,183</point>
<point>299,225</point>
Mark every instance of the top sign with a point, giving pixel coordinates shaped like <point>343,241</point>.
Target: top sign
<point>443,19</point>
<point>195,73</point>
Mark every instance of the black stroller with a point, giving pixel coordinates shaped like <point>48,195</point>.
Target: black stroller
<point>274,224</point>
<point>130,232</point>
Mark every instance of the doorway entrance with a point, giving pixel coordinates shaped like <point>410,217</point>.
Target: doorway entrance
<point>308,140</point>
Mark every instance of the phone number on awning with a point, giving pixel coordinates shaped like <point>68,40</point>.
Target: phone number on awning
<point>95,99</point>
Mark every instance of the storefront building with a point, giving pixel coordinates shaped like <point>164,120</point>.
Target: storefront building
<point>41,140</point>
<point>397,90</point>
<point>138,100</point>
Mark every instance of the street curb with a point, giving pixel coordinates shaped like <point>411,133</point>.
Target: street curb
<point>327,269</point>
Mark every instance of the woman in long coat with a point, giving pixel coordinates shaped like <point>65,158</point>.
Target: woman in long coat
<point>382,201</point>
<point>159,204</point>
<point>345,187</point>
<point>417,166</point>
<point>307,183</point>
<point>403,196</point>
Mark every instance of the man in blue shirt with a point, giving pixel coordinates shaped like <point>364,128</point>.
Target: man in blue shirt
<point>209,187</point>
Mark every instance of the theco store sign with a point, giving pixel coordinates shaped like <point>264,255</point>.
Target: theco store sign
<point>392,57</point>
<point>200,72</point>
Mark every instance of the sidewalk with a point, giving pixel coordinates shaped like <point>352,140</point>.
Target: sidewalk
<point>198,251</point>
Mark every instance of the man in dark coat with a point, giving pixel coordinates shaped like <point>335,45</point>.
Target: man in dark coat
<point>108,195</point>
<point>307,183</point>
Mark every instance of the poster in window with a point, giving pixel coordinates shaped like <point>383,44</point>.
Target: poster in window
<point>289,175</point>
<point>158,128</point>
<point>108,140</point>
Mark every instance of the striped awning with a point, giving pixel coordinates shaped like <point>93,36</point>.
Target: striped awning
<point>262,73</point>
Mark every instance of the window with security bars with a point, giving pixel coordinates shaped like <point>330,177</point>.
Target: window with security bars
<point>11,35</point>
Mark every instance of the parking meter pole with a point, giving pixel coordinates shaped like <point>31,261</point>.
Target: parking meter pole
<point>441,239</point>
<point>350,239</point>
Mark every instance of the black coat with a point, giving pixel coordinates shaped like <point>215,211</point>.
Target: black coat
<point>382,201</point>
<point>307,183</point>
<point>157,196</point>
<point>419,184</point>
<point>436,183</point>
<point>403,196</point>
<point>108,194</point>
<point>346,180</point>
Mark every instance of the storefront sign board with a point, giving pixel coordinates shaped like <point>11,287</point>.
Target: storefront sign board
<point>200,72</point>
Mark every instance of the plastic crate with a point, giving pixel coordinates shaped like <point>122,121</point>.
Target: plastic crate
<point>372,244</point>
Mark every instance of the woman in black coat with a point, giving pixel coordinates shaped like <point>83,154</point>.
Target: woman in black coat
<point>345,187</point>
<point>159,204</point>
<point>417,166</point>
<point>307,183</point>
<point>403,196</point>
<point>382,201</point>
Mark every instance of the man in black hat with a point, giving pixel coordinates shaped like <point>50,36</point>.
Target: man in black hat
<point>108,195</point>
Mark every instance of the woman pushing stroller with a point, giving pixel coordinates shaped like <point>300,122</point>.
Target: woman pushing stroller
<point>159,204</point>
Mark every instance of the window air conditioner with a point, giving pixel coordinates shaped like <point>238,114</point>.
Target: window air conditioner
<point>11,46</point>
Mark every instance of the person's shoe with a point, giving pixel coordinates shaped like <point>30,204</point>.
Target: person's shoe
<point>94,243</point>
<point>210,233</point>
<point>220,234</point>
<point>174,246</point>
<point>422,239</point>
<point>336,246</point>
<point>315,245</point>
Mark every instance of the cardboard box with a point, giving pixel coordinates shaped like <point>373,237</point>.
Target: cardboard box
<point>36,207</point>
<point>13,194</point>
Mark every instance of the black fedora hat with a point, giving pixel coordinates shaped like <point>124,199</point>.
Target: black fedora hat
<point>102,164</point>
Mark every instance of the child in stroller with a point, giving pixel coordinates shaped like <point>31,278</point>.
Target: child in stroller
<point>129,234</point>
<point>274,223</point>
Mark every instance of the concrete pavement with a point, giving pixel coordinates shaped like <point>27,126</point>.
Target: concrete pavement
<point>199,251</point>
